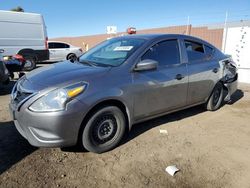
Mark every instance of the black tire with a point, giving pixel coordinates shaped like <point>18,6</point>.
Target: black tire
<point>104,130</point>
<point>72,57</point>
<point>30,63</point>
<point>12,76</point>
<point>6,82</point>
<point>215,99</point>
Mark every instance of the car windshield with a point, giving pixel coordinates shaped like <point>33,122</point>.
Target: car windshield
<point>112,52</point>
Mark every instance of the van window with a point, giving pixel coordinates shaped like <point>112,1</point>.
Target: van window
<point>195,51</point>
<point>165,53</point>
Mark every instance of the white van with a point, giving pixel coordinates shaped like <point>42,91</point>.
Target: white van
<point>24,34</point>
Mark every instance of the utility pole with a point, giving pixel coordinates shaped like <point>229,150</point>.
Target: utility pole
<point>187,30</point>
<point>225,32</point>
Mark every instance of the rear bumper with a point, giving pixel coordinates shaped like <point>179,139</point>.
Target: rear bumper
<point>232,86</point>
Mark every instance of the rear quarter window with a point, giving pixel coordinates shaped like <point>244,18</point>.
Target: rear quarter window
<point>209,51</point>
<point>66,46</point>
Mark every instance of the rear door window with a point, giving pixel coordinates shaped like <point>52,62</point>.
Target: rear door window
<point>165,53</point>
<point>195,51</point>
<point>59,45</point>
<point>51,45</point>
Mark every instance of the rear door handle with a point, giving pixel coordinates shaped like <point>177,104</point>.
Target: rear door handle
<point>215,70</point>
<point>179,76</point>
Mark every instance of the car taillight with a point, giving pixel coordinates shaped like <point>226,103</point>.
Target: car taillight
<point>46,43</point>
<point>131,30</point>
<point>19,58</point>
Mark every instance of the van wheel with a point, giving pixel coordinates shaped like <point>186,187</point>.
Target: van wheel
<point>30,63</point>
<point>215,99</point>
<point>104,130</point>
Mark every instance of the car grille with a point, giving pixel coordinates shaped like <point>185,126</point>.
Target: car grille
<point>19,94</point>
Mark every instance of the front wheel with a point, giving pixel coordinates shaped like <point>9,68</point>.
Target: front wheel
<point>104,130</point>
<point>215,99</point>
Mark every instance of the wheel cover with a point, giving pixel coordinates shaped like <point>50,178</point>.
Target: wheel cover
<point>104,129</point>
<point>28,64</point>
<point>72,57</point>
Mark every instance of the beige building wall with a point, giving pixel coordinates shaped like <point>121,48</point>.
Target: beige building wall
<point>214,36</point>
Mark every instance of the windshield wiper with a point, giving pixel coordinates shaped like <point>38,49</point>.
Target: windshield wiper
<point>88,63</point>
<point>96,64</point>
<point>104,65</point>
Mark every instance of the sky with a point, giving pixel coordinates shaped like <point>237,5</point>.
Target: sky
<point>89,17</point>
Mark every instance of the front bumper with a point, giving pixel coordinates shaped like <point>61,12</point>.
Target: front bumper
<point>50,129</point>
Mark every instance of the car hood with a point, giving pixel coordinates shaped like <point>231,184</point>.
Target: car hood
<point>61,74</point>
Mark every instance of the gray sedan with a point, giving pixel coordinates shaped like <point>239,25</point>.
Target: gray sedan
<point>118,83</point>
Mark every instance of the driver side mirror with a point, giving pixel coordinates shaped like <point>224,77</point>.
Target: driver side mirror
<point>1,51</point>
<point>146,64</point>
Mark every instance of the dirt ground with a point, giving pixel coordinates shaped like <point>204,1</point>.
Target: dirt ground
<point>211,149</point>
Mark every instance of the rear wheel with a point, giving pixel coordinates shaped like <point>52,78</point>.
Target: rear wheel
<point>104,129</point>
<point>215,100</point>
<point>72,57</point>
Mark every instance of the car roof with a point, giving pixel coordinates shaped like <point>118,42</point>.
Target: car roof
<point>154,36</point>
<point>165,36</point>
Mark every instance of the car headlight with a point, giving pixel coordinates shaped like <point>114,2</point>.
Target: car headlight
<point>56,100</point>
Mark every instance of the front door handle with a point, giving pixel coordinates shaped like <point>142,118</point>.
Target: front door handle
<point>215,70</point>
<point>179,76</point>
